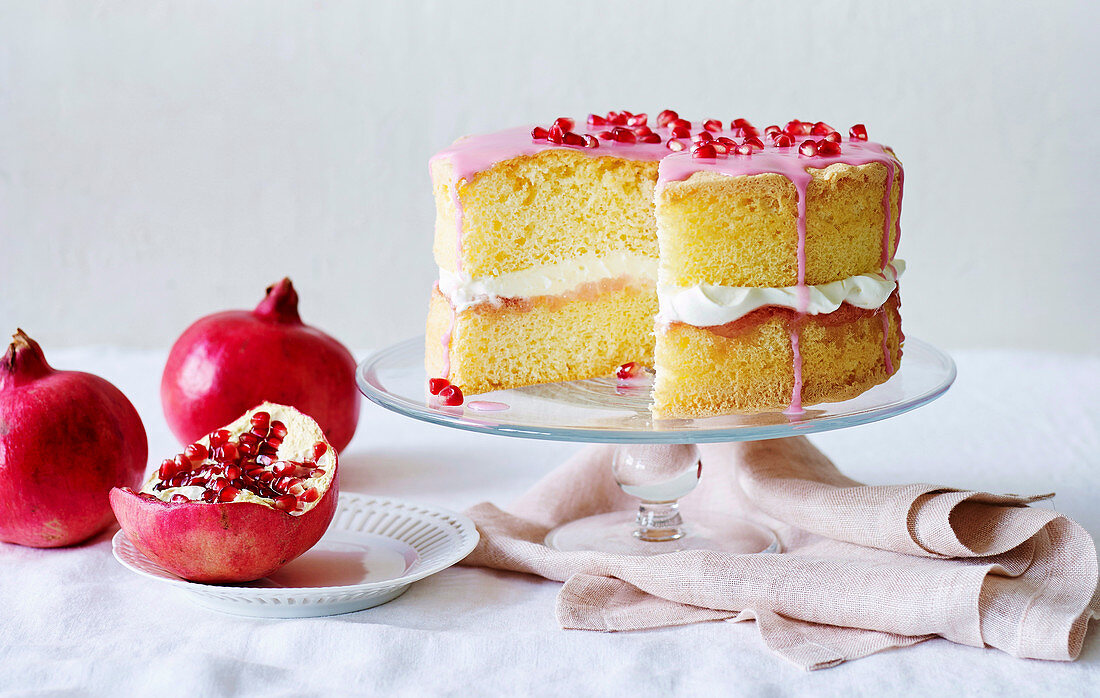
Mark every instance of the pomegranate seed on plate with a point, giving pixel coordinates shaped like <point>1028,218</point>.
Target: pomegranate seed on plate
<point>452,395</point>
<point>629,370</point>
<point>437,384</point>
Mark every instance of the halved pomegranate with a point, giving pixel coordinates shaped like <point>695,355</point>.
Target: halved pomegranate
<point>239,503</point>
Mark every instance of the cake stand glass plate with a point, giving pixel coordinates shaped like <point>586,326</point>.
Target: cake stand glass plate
<point>608,411</point>
<point>657,460</point>
<point>373,550</point>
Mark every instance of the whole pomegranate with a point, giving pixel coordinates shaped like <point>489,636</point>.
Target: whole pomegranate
<point>227,362</point>
<point>66,438</point>
<point>240,502</point>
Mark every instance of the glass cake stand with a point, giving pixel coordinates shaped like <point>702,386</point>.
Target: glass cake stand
<point>657,460</point>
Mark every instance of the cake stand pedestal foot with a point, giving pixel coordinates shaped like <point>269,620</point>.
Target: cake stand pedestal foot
<point>659,475</point>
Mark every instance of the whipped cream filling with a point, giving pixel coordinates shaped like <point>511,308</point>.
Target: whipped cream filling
<point>465,291</point>
<point>708,305</point>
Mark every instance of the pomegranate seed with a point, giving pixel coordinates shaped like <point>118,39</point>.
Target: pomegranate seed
<point>182,462</point>
<point>555,134</point>
<point>642,131</point>
<point>167,469</point>
<point>821,128</point>
<point>591,141</point>
<point>650,138</point>
<point>750,131</point>
<point>721,148</point>
<point>226,454</point>
<point>261,420</point>
<point>296,489</point>
<point>266,456</point>
<point>828,148</point>
<point>180,498</point>
<point>741,123</point>
<point>196,482</point>
<point>319,449</point>
<point>248,439</point>
<point>832,137</point>
<point>623,135</point>
<point>571,138</point>
<point>754,142</point>
<point>218,438</point>
<point>278,429</point>
<point>702,137</point>
<point>451,395</point>
<point>538,133</point>
<point>675,145</point>
<point>783,141</point>
<point>287,502</point>
<point>228,494</point>
<point>196,453</point>
<point>680,123</point>
<point>858,132</point>
<point>768,130</point>
<point>564,123</point>
<point>704,150</point>
<point>317,472</point>
<point>637,120</point>
<point>616,118</point>
<point>628,370</point>
<point>219,484</point>
<point>606,135</point>
<point>808,148</point>
<point>232,472</point>
<point>713,125</point>
<point>209,496</point>
<point>177,480</point>
<point>266,476</point>
<point>626,114</point>
<point>596,120</point>
<point>680,132</point>
<point>666,116</point>
<point>797,128</point>
<point>311,495</point>
<point>744,149</point>
<point>726,141</point>
<point>282,467</point>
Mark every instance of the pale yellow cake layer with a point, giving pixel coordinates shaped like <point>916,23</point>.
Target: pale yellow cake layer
<point>700,373</point>
<point>543,340</point>
<point>743,231</point>
<point>543,209</point>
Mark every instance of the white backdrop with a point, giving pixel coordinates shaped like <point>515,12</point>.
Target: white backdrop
<point>161,160</point>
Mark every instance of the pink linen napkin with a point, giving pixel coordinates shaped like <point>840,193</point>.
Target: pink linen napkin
<point>863,568</point>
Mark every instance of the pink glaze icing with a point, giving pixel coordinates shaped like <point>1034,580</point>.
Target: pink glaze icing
<point>487,406</point>
<point>474,154</point>
<point>885,336</point>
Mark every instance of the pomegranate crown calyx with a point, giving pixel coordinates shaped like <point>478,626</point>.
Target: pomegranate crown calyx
<point>280,304</point>
<point>24,361</point>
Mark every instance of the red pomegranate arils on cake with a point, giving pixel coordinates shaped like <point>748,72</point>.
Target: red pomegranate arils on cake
<point>539,133</point>
<point>755,142</point>
<point>743,149</point>
<point>858,132</point>
<point>726,141</point>
<point>821,128</point>
<point>798,128</point>
<point>637,120</point>
<point>437,384</point>
<point>680,132</point>
<point>783,141</point>
<point>571,138</point>
<point>555,134</point>
<point>681,123</point>
<point>740,123</point>
<point>702,137</point>
<point>596,120</point>
<point>451,395</point>
<point>704,150</point>
<point>628,370</point>
<point>808,148</point>
<point>675,145</point>
<point>712,125</point>
<point>650,138</point>
<point>565,123</point>
<point>828,148</point>
<point>720,148</point>
<point>606,135</point>
<point>642,131</point>
<point>666,116</point>
<point>623,135</point>
<point>591,141</point>
<point>769,130</point>
<point>616,119</point>
<point>832,137</point>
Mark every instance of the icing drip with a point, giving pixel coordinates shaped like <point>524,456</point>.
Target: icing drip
<point>796,391</point>
<point>458,265</point>
<point>487,406</point>
<point>885,346</point>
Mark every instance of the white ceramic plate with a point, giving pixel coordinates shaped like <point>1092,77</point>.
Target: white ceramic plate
<point>373,550</point>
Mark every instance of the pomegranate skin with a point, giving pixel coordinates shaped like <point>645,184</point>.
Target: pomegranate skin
<point>225,363</point>
<point>233,542</point>
<point>66,438</point>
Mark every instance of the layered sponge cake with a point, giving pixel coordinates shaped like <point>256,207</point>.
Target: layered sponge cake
<point>750,276</point>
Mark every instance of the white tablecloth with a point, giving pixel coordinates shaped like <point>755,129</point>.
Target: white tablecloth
<point>74,620</point>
